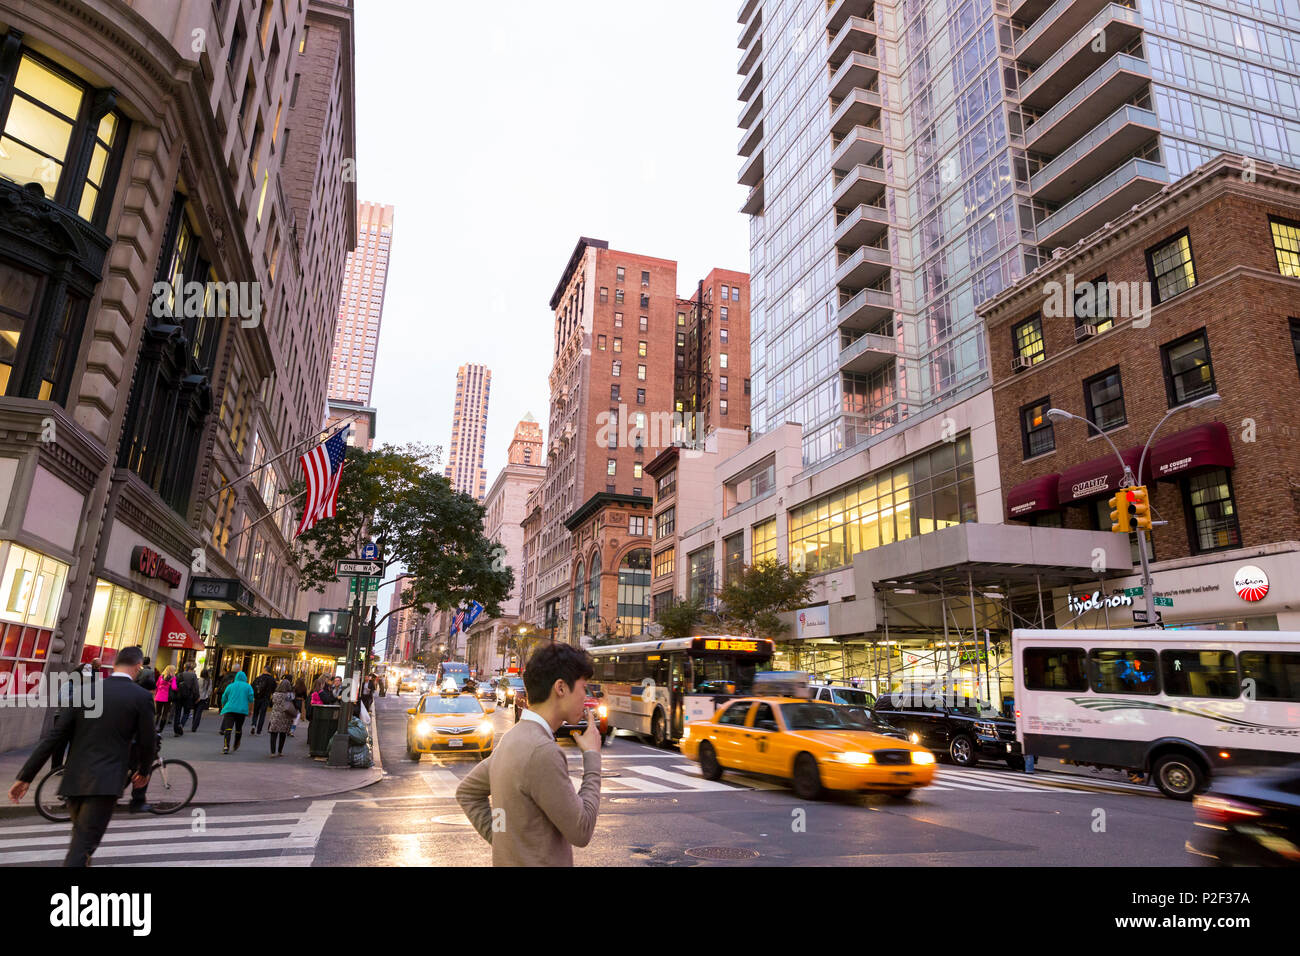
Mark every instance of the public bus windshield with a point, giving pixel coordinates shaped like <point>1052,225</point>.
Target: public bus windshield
<point>722,675</point>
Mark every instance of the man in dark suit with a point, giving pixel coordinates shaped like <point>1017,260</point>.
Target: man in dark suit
<point>110,737</point>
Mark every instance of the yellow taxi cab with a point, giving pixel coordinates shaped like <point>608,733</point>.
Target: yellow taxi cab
<point>449,723</point>
<point>816,746</point>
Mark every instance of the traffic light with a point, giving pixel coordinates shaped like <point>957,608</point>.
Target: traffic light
<point>1139,508</point>
<point>1119,518</point>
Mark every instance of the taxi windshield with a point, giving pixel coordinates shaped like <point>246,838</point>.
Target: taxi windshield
<point>451,705</point>
<point>822,717</point>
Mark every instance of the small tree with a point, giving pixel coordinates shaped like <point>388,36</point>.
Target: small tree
<point>754,599</point>
<point>688,617</point>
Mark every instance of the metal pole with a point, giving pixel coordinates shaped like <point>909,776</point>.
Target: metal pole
<point>338,756</point>
<point>974,633</point>
<point>300,442</point>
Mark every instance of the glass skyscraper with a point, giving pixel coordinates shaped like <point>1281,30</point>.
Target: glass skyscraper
<point>908,160</point>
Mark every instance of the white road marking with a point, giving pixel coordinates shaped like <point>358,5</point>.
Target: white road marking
<point>443,783</point>
<point>698,784</point>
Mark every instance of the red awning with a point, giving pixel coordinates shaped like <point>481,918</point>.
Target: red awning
<point>1036,495</point>
<point>1100,476</point>
<point>177,632</point>
<point>1205,446</point>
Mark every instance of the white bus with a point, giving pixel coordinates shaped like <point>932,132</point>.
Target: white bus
<point>654,688</point>
<point>1175,704</point>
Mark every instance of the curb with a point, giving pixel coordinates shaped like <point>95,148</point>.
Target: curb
<point>1054,778</point>
<point>373,776</point>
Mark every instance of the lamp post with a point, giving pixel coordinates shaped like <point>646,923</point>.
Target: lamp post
<point>1058,414</point>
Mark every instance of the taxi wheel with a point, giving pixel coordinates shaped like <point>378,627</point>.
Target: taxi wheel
<point>962,751</point>
<point>900,794</point>
<point>807,781</point>
<point>413,755</point>
<point>710,769</point>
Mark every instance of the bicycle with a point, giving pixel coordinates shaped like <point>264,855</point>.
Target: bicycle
<point>172,786</point>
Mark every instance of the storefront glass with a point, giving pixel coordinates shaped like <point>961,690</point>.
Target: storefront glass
<point>32,587</point>
<point>120,618</point>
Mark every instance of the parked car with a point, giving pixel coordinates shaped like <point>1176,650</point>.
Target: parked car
<point>1249,818</point>
<point>967,732</point>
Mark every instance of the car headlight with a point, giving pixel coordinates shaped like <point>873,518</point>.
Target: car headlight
<point>853,757</point>
<point>602,711</point>
<point>915,738</point>
<point>424,727</point>
<point>486,727</point>
<point>686,731</point>
<point>987,729</point>
<point>922,757</point>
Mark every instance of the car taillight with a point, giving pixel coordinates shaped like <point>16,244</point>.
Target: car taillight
<point>1221,810</point>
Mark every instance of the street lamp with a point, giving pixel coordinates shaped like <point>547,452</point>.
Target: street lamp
<point>1059,414</point>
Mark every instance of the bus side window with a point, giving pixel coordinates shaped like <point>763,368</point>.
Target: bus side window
<point>604,669</point>
<point>1055,668</point>
<point>1124,671</point>
<point>1197,673</point>
<point>1276,675</point>
<point>660,673</point>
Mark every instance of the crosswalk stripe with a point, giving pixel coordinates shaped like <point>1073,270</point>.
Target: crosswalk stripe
<point>738,778</point>
<point>151,822</point>
<point>443,783</point>
<point>156,849</point>
<point>61,839</point>
<point>993,785</point>
<point>697,784</point>
<point>292,859</point>
<point>639,785</point>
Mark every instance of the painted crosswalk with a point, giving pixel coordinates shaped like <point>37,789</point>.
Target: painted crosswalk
<point>197,837</point>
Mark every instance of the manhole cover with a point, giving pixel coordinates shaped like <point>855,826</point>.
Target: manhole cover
<point>721,853</point>
<point>452,820</point>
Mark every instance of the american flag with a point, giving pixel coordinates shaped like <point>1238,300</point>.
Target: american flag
<point>323,468</point>
<point>456,620</point>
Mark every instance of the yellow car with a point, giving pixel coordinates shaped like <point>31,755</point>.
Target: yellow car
<point>817,746</point>
<point>447,723</point>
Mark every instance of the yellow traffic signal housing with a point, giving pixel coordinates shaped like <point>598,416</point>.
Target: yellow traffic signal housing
<point>1139,508</point>
<point>1119,512</point>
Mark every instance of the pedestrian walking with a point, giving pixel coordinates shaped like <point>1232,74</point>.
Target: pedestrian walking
<point>300,701</point>
<point>205,698</point>
<point>527,776</point>
<point>263,688</point>
<point>235,704</point>
<point>81,682</point>
<point>324,693</point>
<point>148,677</point>
<point>111,738</point>
<point>187,698</point>
<point>283,712</point>
<point>164,688</point>
<point>368,694</point>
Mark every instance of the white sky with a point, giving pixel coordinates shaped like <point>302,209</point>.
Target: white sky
<point>546,120</point>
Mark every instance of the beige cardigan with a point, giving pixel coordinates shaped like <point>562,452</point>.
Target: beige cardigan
<point>521,799</point>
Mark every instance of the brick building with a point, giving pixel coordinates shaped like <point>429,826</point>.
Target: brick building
<point>611,577</point>
<point>1218,253</point>
<point>712,354</point>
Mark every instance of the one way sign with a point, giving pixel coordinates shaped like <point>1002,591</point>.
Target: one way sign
<point>358,568</point>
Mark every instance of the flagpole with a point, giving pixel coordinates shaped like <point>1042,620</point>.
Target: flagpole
<point>267,515</point>
<point>314,435</point>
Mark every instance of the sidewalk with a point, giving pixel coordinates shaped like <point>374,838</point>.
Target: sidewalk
<point>249,774</point>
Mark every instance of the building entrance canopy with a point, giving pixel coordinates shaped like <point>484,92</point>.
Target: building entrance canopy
<point>1188,451</point>
<point>1100,476</point>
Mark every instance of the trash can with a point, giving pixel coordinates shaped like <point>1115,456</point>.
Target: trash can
<point>324,723</point>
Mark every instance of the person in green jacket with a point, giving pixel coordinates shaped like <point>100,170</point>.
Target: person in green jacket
<point>235,703</point>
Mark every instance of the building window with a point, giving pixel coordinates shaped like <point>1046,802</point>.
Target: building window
<point>1188,372</point>
<point>600,342</point>
<point>1036,428</point>
<point>724,314</point>
<point>746,386</point>
<point>1212,514</point>
<point>641,349</point>
<point>735,293</point>
<point>618,320</point>
<point>722,406</point>
<point>665,562</point>
<point>636,525</point>
<point>1104,396</point>
<point>618,296</point>
<point>645,278</point>
<point>700,575</point>
<point>645,323</point>
<point>617,370</point>
<point>1027,340</point>
<point>681,340</point>
<point>1295,341</point>
<point>722,360</point>
<point>1286,244</point>
<point>733,550</point>
<point>681,319</point>
<point>722,336</point>
<point>640,373</point>
<point>611,466</point>
<point>1092,305</point>
<point>1171,267</point>
<point>640,396</point>
<point>764,541</point>
<point>620,273</point>
<point>666,520</point>
<point>614,392</point>
<point>618,344</point>
<point>722,383</point>
<point>666,484</point>
<point>604,294</point>
<point>645,301</point>
<point>637,470</point>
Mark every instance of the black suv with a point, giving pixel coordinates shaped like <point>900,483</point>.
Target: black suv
<point>966,732</point>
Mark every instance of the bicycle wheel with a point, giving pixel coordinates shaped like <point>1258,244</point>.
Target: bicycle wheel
<point>48,802</point>
<point>172,786</point>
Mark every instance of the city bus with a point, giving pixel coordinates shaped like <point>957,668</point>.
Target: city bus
<point>456,671</point>
<point>654,688</point>
<point>1177,705</point>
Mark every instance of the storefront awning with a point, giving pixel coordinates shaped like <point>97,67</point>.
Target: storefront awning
<point>1034,496</point>
<point>1185,452</point>
<point>1100,476</point>
<point>177,632</point>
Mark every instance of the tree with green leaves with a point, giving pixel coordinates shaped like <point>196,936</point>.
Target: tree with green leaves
<point>754,599</point>
<point>687,618</point>
<point>395,496</point>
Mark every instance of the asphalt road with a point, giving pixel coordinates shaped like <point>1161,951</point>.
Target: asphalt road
<point>655,811</point>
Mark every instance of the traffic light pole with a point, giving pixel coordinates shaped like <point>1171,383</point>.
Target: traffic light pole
<point>1142,547</point>
<point>338,756</point>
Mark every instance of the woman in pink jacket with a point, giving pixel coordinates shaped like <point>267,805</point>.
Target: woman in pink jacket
<point>162,696</point>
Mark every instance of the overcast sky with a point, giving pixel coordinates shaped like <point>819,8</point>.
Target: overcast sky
<point>502,132</point>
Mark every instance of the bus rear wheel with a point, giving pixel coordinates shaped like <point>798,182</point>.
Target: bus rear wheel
<point>659,730</point>
<point>1178,776</point>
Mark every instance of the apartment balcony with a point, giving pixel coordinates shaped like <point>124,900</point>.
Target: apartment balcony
<point>860,71</point>
<point>750,84</point>
<point>1027,11</point>
<point>747,10</point>
<point>1099,150</point>
<point>754,203</point>
<point>861,227</point>
<point>860,146</point>
<point>750,29</point>
<point>1061,21</point>
<point>868,353</point>
<point>861,184</point>
<point>859,108</point>
<point>1102,202</point>
<point>845,9</point>
<point>750,56</point>
<point>752,171</point>
<point>1110,86</point>
<point>751,111</point>
<point>865,310</point>
<point>1069,66</point>
<point>856,36</point>
<point>859,269</point>
<point>749,142</point>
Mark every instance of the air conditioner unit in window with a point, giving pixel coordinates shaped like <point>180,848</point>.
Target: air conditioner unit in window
<point>1082,332</point>
<point>1020,362</point>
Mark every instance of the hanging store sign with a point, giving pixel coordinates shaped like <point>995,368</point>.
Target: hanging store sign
<point>1096,601</point>
<point>814,621</point>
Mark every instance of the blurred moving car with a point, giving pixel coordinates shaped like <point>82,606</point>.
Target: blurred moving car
<point>487,691</point>
<point>843,694</point>
<point>972,730</point>
<point>1250,818</point>
<point>409,682</point>
<point>506,689</point>
<point>520,701</point>
<point>448,722</point>
<point>815,745</point>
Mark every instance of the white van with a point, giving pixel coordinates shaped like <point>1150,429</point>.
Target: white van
<point>1175,704</point>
